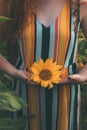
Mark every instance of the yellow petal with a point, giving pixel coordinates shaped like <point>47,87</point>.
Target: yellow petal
<point>36,79</point>
<point>50,85</point>
<point>34,71</point>
<point>44,83</point>
<point>38,67</point>
<point>41,62</point>
<point>48,61</point>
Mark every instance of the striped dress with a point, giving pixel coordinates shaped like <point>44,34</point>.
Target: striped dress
<point>59,107</point>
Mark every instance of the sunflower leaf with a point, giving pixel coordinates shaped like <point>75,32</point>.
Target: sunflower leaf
<point>10,101</point>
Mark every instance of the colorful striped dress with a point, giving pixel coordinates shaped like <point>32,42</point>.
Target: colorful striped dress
<point>59,107</point>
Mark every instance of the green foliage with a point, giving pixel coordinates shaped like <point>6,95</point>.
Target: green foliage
<point>3,19</point>
<point>11,101</point>
<point>14,124</point>
<point>82,57</point>
<point>82,49</point>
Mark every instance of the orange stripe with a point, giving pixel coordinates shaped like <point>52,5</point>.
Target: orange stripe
<point>32,90</point>
<point>67,26</point>
<point>32,41</point>
<point>27,35</point>
<point>64,33</point>
<point>29,41</point>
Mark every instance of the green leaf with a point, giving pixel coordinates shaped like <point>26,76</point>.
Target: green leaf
<point>2,86</point>
<point>11,101</point>
<point>14,124</point>
<point>2,18</point>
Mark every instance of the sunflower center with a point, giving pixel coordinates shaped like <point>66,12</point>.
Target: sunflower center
<point>45,74</point>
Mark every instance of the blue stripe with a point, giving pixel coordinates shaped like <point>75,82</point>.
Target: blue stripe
<point>71,44</point>
<point>52,40</point>
<point>71,118</point>
<point>38,40</point>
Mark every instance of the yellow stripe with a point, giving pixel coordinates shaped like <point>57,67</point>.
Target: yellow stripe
<point>29,41</point>
<point>64,33</point>
<point>32,90</point>
<point>33,107</point>
<point>64,92</point>
<point>64,103</point>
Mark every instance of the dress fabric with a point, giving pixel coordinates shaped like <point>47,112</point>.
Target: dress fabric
<point>59,107</point>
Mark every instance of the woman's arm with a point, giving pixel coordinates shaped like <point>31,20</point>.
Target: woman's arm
<point>8,68</point>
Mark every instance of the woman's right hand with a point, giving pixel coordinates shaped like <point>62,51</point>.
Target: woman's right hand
<point>25,76</point>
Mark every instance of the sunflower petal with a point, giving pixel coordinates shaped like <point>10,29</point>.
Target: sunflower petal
<point>50,85</point>
<point>41,62</point>
<point>44,83</point>
<point>34,71</point>
<point>36,79</point>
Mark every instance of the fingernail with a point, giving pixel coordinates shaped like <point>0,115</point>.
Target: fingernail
<point>69,77</point>
<point>26,80</point>
<point>26,69</point>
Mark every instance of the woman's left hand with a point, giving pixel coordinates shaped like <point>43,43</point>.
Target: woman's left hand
<point>79,78</point>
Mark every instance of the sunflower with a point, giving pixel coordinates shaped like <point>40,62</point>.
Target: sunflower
<point>46,73</point>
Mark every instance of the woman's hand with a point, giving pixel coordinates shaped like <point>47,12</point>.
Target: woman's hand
<point>79,78</point>
<point>24,76</point>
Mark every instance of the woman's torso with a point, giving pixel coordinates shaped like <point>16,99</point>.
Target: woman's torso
<point>58,41</point>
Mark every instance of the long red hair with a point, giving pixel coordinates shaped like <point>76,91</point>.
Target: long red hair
<point>19,10</point>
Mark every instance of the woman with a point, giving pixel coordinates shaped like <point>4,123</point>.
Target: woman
<point>51,30</point>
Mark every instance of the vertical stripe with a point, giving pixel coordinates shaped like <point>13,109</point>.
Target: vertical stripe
<point>74,69</point>
<point>38,39</point>
<point>64,92</point>
<point>64,33</point>
<point>29,41</point>
<point>63,112</point>
<point>75,108</point>
<point>23,49</point>
<point>24,96</point>
<point>79,107</point>
<point>21,58</point>
<point>45,54</point>
<point>41,91</point>
<point>54,107</point>
<point>76,45</point>
<point>56,39</point>
<point>52,53</point>
<point>43,109</point>
<point>45,42</point>
<point>71,120</point>
<point>32,91</point>
<point>71,44</point>
<point>33,107</point>
<point>52,40</point>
